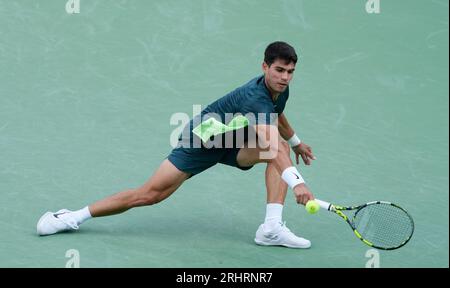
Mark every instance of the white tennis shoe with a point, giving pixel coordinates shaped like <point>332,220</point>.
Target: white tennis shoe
<point>51,223</point>
<point>280,236</point>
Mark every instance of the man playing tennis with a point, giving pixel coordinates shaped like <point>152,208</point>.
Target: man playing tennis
<point>201,146</point>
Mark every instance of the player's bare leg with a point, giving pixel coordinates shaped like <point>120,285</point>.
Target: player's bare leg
<point>279,159</point>
<point>276,187</point>
<point>273,231</point>
<point>161,185</point>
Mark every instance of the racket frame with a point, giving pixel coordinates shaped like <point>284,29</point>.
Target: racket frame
<point>338,210</point>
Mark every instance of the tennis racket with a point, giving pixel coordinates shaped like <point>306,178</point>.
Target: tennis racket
<point>379,224</point>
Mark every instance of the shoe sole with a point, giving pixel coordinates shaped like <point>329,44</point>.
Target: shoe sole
<point>262,243</point>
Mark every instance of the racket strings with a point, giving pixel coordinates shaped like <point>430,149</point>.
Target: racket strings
<point>384,225</point>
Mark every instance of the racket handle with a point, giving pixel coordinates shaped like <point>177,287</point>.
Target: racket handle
<point>323,204</point>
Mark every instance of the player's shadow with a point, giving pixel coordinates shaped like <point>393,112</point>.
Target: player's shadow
<point>172,228</point>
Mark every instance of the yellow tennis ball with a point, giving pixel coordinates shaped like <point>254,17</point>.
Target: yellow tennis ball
<point>312,207</point>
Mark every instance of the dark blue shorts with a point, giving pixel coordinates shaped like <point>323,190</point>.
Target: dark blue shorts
<point>197,160</point>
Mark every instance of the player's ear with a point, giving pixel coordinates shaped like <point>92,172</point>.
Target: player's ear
<point>265,67</point>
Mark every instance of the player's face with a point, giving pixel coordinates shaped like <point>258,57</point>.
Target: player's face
<point>278,75</point>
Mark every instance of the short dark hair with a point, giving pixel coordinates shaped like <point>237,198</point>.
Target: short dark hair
<point>280,50</point>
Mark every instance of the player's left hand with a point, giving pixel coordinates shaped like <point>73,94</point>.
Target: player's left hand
<point>305,152</point>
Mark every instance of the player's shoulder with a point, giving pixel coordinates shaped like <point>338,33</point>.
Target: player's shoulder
<point>255,89</point>
<point>254,83</point>
<point>254,97</point>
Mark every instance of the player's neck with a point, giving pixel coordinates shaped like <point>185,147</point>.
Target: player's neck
<point>273,93</point>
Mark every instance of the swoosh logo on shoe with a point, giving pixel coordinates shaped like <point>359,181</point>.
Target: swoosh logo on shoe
<point>272,237</point>
<point>57,214</point>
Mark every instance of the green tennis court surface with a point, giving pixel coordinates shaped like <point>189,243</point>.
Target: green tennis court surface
<point>85,107</point>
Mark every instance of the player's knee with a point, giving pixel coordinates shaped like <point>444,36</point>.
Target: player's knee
<point>284,147</point>
<point>281,150</point>
<point>149,196</point>
<point>151,199</point>
<point>277,152</point>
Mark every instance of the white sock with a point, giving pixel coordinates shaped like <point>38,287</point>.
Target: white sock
<point>274,213</point>
<point>82,215</point>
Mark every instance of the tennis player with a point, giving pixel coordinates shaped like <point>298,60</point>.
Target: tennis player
<point>249,136</point>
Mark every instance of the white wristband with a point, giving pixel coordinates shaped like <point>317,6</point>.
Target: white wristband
<point>292,177</point>
<point>294,141</point>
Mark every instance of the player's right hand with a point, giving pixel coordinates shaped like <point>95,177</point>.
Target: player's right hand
<point>302,194</point>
